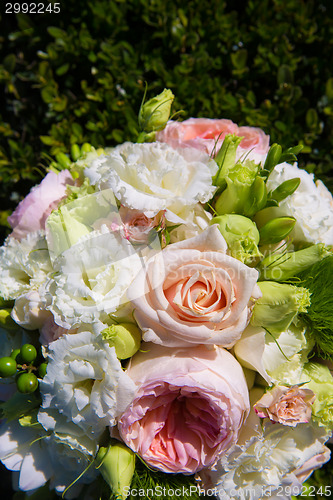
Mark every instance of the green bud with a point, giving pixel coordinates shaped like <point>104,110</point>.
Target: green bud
<point>6,321</point>
<point>279,305</point>
<point>241,235</point>
<point>239,180</point>
<point>282,266</point>
<point>63,160</point>
<point>155,113</point>
<point>75,152</point>
<point>320,381</point>
<point>285,189</point>
<point>117,467</point>
<point>125,338</point>
<point>86,148</point>
<point>276,230</point>
<point>257,197</point>
<point>226,158</point>
<point>273,157</point>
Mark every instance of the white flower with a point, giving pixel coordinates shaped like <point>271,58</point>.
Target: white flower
<point>275,358</point>
<point>92,279</point>
<point>85,382</point>
<point>38,456</point>
<point>267,459</point>
<point>311,204</point>
<point>152,177</point>
<point>24,265</point>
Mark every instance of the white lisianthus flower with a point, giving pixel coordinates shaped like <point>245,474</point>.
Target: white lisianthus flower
<point>92,279</point>
<point>152,177</point>
<point>85,382</point>
<point>39,456</point>
<point>275,358</point>
<point>311,205</point>
<point>24,265</point>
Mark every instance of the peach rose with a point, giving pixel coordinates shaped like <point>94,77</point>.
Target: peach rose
<point>193,293</point>
<point>208,134</point>
<point>286,405</point>
<point>188,407</point>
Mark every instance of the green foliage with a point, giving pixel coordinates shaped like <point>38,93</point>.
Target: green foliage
<point>318,280</point>
<point>79,76</point>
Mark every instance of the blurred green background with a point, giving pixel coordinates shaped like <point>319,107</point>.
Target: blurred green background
<point>79,76</point>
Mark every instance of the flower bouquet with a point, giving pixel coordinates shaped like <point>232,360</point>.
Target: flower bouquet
<point>166,325</point>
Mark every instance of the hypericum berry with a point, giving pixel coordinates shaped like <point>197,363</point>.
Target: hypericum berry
<point>42,370</point>
<point>27,382</point>
<point>8,366</point>
<point>28,353</point>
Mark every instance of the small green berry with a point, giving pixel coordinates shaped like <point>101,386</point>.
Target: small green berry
<point>28,353</point>
<point>42,370</point>
<point>27,382</point>
<point>8,366</point>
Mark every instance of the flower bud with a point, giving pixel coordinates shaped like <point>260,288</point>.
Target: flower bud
<point>273,157</point>
<point>241,235</point>
<point>117,467</point>
<point>125,338</point>
<point>279,305</point>
<point>285,189</point>
<point>282,266</point>
<point>154,114</point>
<point>226,158</point>
<point>239,180</point>
<point>6,320</point>
<point>257,197</point>
<point>276,230</point>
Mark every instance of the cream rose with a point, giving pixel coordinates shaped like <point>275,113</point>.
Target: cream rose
<point>188,407</point>
<point>193,293</point>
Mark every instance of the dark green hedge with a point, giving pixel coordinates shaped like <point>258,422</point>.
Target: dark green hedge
<point>79,75</point>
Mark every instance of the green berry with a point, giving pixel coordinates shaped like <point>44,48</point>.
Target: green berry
<point>8,366</point>
<point>42,370</point>
<point>28,353</point>
<point>27,382</point>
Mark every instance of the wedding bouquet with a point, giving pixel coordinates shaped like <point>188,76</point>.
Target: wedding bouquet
<point>166,318</point>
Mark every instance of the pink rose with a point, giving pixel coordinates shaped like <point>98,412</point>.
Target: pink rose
<point>188,408</point>
<point>193,293</point>
<point>208,134</point>
<point>32,212</point>
<point>286,405</point>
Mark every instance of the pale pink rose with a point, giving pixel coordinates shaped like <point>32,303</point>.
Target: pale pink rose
<point>199,133</point>
<point>315,462</point>
<point>208,134</point>
<point>136,226</point>
<point>189,406</point>
<point>32,212</point>
<point>286,405</point>
<point>254,138</point>
<point>193,293</point>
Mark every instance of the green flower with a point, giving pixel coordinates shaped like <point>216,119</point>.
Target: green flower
<point>279,305</point>
<point>320,381</point>
<point>241,235</point>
